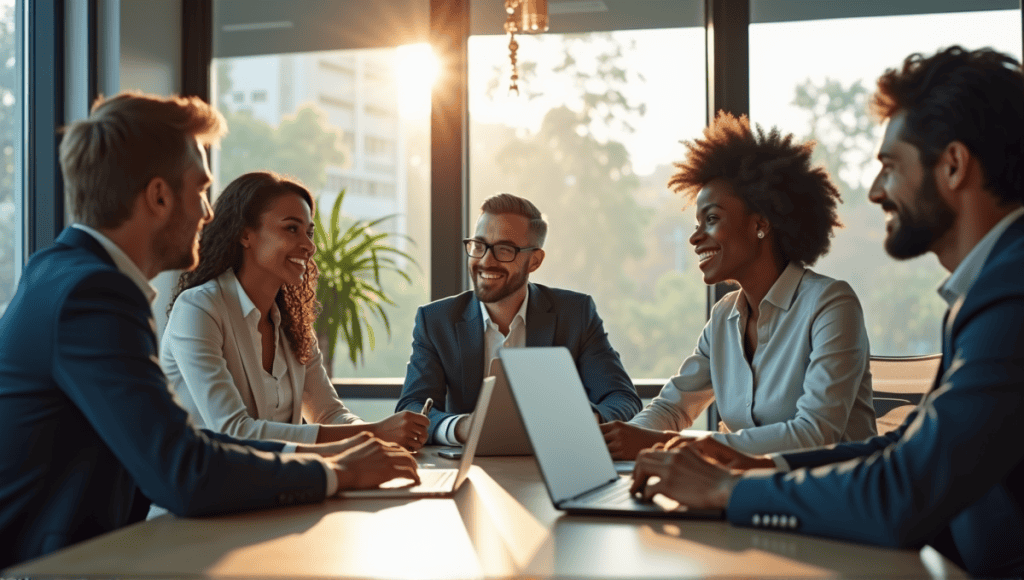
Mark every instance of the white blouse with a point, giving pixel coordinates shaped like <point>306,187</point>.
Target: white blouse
<point>808,384</point>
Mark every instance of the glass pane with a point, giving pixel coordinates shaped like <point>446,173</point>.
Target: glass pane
<point>591,140</point>
<point>356,121</point>
<point>10,148</point>
<point>823,94</point>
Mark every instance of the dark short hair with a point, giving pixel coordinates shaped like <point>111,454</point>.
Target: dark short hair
<point>975,97</point>
<point>773,177</point>
<point>241,206</point>
<point>512,204</point>
<point>127,140</point>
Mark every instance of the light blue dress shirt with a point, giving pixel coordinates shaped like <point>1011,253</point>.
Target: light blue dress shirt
<point>808,384</point>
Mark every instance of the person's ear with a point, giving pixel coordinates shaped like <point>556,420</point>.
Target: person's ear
<point>246,239</point>
<point>763,226</point>
<point>953,166</point>
<point>158,199</point>
<point>536,259</point>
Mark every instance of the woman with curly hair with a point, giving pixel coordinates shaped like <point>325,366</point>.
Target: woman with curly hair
<point>786,355</point>
<point>239,348</point>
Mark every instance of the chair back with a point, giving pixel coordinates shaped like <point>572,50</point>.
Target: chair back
<point>899,384</point>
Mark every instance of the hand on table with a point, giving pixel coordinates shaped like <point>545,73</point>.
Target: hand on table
<point>372,462</point>
<point>625,440</point>
<point>685,476</point>
<point>405,428</point>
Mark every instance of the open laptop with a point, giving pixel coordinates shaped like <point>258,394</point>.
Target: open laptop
<point>503,432</point>
<point>571,452</point>
<point>436,482</point>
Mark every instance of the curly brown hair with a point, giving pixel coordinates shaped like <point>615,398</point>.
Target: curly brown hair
<point>774,178</point>
<point>241,205</point>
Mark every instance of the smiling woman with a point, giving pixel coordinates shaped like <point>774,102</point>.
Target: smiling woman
<point>239,348</point>
<point>785,356</point>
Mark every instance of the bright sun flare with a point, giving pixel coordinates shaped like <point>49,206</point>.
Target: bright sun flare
<point>417,69</point>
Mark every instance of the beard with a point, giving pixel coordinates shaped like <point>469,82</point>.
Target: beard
<point>919,226</point>
<point>514,280</point>
<point>175,244</point>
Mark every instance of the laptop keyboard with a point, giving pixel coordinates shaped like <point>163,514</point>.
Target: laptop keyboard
<point>437,478</point>
<point>616,494</point>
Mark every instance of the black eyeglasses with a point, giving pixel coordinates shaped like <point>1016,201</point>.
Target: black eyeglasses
<point>501,252</point>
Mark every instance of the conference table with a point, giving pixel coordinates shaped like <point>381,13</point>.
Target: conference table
<point>500,523</point>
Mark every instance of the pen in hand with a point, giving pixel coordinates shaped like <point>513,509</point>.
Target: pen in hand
<point>427,406</point>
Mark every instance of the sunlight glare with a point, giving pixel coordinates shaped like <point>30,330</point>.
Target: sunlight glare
<point>417,68</point>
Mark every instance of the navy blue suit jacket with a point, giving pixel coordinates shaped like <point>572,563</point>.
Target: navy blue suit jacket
<point>447,362</point>
<point>86,416</point>
<point>953,474</point>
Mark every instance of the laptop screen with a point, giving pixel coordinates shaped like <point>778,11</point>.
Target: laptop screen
<point>553,404</point>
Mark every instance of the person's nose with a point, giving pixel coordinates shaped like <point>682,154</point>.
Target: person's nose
<point>309,244</point>
<point>696,236</point>
<point>876,193</point>
<point>207,211</point>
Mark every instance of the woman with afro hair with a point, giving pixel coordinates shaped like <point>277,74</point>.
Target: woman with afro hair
<point>786,355</point>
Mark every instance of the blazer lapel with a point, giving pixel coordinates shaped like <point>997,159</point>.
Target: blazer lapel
<point>239,329</point>
<point>470,336</point>
<point>540,319</point>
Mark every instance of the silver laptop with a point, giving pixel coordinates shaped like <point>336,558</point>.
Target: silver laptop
<point>503,432</point>
<point>571,453</point>
<point>436,482</point>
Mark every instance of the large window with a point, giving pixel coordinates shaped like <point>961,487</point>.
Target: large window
<point>590,140</point>
<point>814,78</point>
<point>11,63</point>
<point>352,119</point>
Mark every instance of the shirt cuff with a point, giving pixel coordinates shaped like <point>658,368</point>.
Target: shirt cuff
<point>780,462</point>
<point>289,447</point>
<point>332,478</point>
<point>445,433</point>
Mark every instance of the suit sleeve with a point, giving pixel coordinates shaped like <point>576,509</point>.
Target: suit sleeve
<point>195,338</point>
<point>947,458</point>
<point>424,377</point>
<point>118,386</point>
<point>831,382</point>
<point>609,388</point>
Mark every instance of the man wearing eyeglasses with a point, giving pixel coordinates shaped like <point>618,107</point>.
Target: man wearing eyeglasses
<point>456,338</point>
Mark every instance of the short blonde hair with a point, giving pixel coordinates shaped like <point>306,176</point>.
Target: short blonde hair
<point>129,139</point>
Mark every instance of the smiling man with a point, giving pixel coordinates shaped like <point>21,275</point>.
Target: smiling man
<point>952,475</point>
<point>456,338</point>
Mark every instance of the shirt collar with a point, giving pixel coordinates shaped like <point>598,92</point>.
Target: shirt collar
<point>123,262</point>
<point>963,277</point>
<point>520,314</point>
<point>782,292</point>
<point>248,308</point>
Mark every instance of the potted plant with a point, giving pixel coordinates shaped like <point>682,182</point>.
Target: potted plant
<point>351,260</point>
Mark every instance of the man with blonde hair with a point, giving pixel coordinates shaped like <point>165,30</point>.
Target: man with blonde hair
<point>456,338</point>
<point>84,407</point>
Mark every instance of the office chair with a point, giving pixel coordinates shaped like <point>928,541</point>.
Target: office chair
<point>899,384</point>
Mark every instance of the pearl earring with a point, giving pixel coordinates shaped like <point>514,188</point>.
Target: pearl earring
<point>760,235</point>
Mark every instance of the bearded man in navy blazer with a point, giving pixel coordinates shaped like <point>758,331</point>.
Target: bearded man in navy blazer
<point>952,475</point>
<point>86,415</point>
<point>455,339</point>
